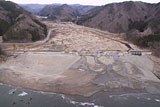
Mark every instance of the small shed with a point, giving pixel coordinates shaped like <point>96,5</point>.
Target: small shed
<point>136,53</point>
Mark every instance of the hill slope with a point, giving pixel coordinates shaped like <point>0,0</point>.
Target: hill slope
<point>18,25</point>
<point>64,12</point>
<point>122,17</point>
<point>34,8</point>
<point>82,9</point>
<point>59,12</point>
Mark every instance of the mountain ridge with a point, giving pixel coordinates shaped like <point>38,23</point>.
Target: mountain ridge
<point>64,12</point>
<point>118,16</point>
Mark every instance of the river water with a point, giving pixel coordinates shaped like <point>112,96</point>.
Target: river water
<point>17,97</point>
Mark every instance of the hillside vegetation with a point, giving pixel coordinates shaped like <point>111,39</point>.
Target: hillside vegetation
<point>59,12</point>
<point>18,25</point>
<point>64,12</point>
<point>122,17</point>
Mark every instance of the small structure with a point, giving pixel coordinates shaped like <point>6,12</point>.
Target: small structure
<point>134,52</point>
<point>146,52</point>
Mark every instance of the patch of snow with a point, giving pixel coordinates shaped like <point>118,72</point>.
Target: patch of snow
<point>22,94</point>
<point>63,96</point>
<point>85,104</point>
<point>45,93</point>
<point>157,100</point>
<point>73,102</point>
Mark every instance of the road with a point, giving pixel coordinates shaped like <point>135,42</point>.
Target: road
<point>33,43</point>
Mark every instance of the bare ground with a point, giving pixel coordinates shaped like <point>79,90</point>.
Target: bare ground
<point>79,69</point>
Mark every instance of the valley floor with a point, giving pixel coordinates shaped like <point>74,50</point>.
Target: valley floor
<point>78,60</point>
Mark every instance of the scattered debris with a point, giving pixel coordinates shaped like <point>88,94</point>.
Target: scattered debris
<point>12,91</point>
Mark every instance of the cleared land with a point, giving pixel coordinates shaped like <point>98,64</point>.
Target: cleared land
<point>70,63</point>
<point>74,37</point>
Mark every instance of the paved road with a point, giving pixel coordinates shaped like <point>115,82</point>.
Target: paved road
<point>33,43</point>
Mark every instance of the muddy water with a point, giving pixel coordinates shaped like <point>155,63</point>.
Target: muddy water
<point>17,97</point>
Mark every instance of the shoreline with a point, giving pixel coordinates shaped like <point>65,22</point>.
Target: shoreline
<point>31,97</point>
